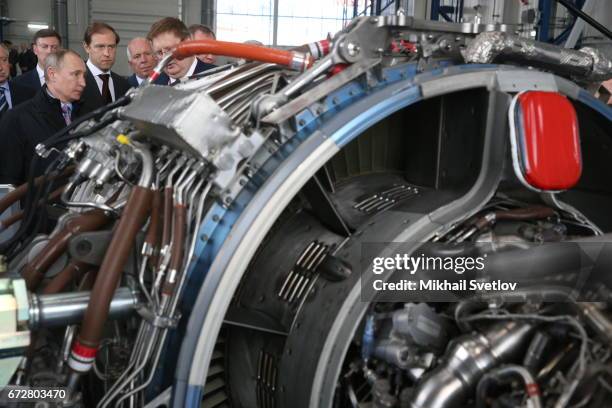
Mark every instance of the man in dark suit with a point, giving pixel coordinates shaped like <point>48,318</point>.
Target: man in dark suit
<point>166,34</point>
<point>11,94</point>
<point>202,32</point>
<point>103,85</point>
<point>141,60</point>
<point>53,107</point>
<point>27,58</point>
<point>45,42</point>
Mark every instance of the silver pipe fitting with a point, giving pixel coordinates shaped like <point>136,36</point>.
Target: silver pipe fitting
<point>146,177</point>
<point>470,357</point>
<point>64,309</point>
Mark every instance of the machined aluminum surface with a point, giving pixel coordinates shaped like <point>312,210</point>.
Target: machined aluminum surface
<point>183,119</point>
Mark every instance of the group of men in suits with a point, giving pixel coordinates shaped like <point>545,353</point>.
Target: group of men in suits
<point>37,104</point>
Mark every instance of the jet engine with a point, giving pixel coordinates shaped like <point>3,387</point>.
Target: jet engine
<point>215,243</point>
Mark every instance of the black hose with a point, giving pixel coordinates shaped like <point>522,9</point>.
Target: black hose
<point>96,114</point>
<point>82,133</point>
<point>467,307</point>
<point>34,195</point>
<point>41,215</point>
<point>590,20</point>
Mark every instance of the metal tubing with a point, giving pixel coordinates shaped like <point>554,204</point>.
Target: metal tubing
<point>64,309</point>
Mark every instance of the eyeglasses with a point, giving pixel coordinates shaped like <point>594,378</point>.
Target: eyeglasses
<point>159,54</point>
<point>48,47</point>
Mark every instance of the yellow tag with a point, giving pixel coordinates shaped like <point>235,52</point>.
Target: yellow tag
<point>123,139</point>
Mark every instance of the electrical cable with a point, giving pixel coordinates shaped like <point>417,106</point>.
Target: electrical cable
<point>590,20</point>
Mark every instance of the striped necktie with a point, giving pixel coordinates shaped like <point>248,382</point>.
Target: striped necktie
<point>4,106</point>
<point>66,111</point>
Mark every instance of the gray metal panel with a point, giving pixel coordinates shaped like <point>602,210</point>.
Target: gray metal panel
<point>450,83</point>
<point>177,117</point>
<point>523,80</point>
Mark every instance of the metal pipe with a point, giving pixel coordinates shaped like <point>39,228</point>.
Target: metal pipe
<point>470,357</point>
<point>147,164</point>
<point>64,309</point>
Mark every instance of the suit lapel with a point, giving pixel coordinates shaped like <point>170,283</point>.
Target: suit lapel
<point>34,79</point>
<point>91,89</point>
<point>118,85</point>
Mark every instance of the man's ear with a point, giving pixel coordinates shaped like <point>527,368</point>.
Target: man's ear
<point>86,47</point>
<point>51,71</point>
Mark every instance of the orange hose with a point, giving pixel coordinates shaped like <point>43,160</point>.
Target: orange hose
<point>249,52</point>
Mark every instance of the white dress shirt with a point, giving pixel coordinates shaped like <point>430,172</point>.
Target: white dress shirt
<point>95,71</point>
<point>41,74</point>
<point>189,73</point>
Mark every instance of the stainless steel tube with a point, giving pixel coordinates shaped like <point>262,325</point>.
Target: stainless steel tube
<point>63,309</point>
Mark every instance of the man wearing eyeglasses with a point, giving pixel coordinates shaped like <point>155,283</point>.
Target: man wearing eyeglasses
<point>102,85</point>
<point>45,42</point>
<point>165,35</point>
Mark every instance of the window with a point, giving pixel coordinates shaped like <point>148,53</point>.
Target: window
<point>244,20</point>
<point>299,21</point>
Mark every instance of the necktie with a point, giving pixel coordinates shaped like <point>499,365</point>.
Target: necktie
<point>106,94</point>
<point>4,106</point>
<point>66,111</point>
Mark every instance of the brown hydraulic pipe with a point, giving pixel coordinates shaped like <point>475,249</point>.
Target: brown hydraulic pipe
<point>18,193</point>
<point>133,218</point>
<point>178,247</point>
<point>155,228</point>
<point>88,280</point>
<point>518,214</point>
<point>88,221</point>
<point>292,59</point>
<point>71,272</point>
<point>167,227</point>
<point>8,221</point>
<point>152,237</point>
<point>527,213</point>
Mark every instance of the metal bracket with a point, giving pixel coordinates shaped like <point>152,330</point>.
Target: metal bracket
<point>156,320</point>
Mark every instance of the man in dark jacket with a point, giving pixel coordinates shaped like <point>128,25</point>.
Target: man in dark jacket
<point>51,109</point>
<point>13,57</point>
<point>141,59</point>
<point>11,94</point>
<point>165,35</point>
<point>27,58</point>
<point>45,42</point>
<point>103,85</point>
